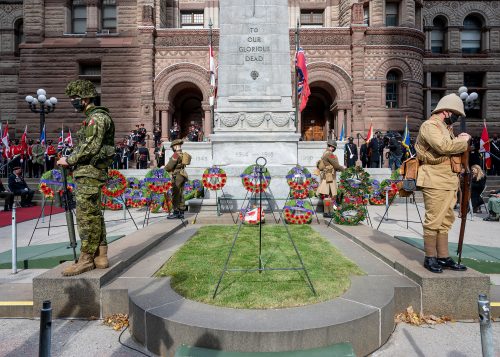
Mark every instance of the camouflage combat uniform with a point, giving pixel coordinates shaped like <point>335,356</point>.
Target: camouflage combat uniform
<point>91,158</point>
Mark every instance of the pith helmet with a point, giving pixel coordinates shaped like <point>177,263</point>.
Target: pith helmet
<point>177,142</point>
<point>81,88</point>
<point>452,103</point>
<point>331,143</point>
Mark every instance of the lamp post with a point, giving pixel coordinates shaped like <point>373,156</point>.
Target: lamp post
<point>45,106</point>
<point>469,101</point>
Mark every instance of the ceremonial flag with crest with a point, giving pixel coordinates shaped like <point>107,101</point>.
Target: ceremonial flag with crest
<point>484,147</point>
<point>303,89</point>
<point>42,136</point>
<point>213,84</point>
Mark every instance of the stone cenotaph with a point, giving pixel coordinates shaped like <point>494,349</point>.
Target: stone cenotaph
<point>254,115</point>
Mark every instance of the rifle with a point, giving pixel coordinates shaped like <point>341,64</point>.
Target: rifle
<point>465,189</point>
<point>67,199</point>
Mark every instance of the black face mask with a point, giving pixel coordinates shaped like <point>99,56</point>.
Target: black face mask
<point>452,119</point>
<point>77,104</point>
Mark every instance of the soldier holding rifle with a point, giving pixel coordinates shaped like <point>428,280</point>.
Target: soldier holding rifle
<point>91,159</point>
<point>437,149</point>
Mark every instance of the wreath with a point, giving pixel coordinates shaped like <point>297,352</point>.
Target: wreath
<point>251,215</point>
<point>135,197</point>
<point>298,212</point>
<point>133,182</point>
<point>115,185</point>
<point>192,189</point>
<point>299,194</point>
<point>355,182</point>
<point>114,204</point>
<point>251,181</point>
<point>158,180</point>
<point>214,178</point>
<point>52,181</point>
<point>159,203</point>
<point>313,187</point>
<point>349,214</point>
<point>299,178</point>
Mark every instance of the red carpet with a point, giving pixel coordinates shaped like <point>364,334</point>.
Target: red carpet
<point>25,214</point>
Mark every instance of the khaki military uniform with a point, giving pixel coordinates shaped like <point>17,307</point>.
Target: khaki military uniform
<point>176,168</point>
<point>435,145</point>
<point>92,158</point>
<point>328,176</point>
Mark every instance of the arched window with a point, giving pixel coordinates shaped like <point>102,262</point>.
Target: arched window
<point>18,36</point>
<point>471,34</point>
<point>392,89</point>
<point>438,35</point>
<point>78,16</point>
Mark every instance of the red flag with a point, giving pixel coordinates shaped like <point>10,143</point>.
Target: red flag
<point>369,136</point>
<point>213,83</point>
<point>484,147</point>
<point>24,144</point>
<point>60,141</point>
<point>5,136</point>
<point>302,78</point>
<point>69,139</point>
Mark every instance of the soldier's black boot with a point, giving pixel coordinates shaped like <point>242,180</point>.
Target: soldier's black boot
<point>449,263</point>
<point>432,265</point>
<point>173,215</point>
<point>180,215</point>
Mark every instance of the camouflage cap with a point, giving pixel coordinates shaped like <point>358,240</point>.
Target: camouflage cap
<point>177,142</point>
<point>81,88</point>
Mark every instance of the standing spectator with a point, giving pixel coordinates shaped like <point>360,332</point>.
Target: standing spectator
<point>351,153</point>
<point>124,155</point>
<point>474,156</point>
<point>29,158</point>
<point>142,156</point>
<point>7,196</point>
<point>18,187</point>
<point>160,155</point>
<point>50,155</point>
<point>395,153</point>
<point>174,132</point>
<point>157,136</point>
<point>37,158</point>
<point>477,187</point>
<point>495,154</point>
<point>193,133</point>
<point>363,152</point>
<point>16,154</point>
<point>142,133</point>
<point>376,150</point>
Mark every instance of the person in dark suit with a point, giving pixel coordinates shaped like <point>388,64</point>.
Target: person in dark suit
<point>18,187</point>
<point>363,152</point>
<point>351,153</point>
<point>376,151</point>
<point>8,196</point>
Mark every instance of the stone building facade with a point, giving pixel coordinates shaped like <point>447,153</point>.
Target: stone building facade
<point>369,61</point>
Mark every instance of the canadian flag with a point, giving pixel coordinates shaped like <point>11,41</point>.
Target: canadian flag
<point>24,138</point>
<point>254,216</point>
<point>5,136</point>
<point>484,147</point>
<point>69,139</point>
<point>369,136</point>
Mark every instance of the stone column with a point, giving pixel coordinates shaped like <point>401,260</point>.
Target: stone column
<point>428,96</point>
<point>348,130</point>
<point>92,17</point>
<point>207,120</point>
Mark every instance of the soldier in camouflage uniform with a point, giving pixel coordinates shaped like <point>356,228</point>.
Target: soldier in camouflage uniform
<point>176,164</point>
<point>91,159</point>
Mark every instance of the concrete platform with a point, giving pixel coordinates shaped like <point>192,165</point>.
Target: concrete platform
<point>450,293</point>
<point>162,320</point>
<point>80,296</point>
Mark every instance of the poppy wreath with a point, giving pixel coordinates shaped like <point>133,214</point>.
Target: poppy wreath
<point>158,180</point>
<point>299,178</point>
<point>115,185</point>
<point>52,181</point>
<point>136,198</point>
<point>298,212</point>
<point>299,194</point>
<point>133,182</point>
<point>377,196</point>
<point>349,214</point>
<point>159,203</point>
<point>251,181</point>
<point>390,186</point>
<point>313,187</point>
<point>112,204</point>
<point>193,189</point>
<point>250,216</point>
<point>214,178</point>
<point>355,182</point>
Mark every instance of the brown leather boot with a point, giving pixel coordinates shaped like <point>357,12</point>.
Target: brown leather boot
<point>85,263</point>
<point>101,257</point>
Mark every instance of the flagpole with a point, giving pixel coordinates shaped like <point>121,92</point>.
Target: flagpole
<point>297,44</point>
<point>212,107</point>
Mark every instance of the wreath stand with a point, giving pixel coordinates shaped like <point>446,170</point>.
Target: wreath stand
<point>260,164</point>
<point>42,217</point>
<point>223,198</point>
<point>125,210</point>
<point>386,213</point>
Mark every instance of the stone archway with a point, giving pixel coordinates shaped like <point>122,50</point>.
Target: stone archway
<point>188,110</point>
<point>317,119</point>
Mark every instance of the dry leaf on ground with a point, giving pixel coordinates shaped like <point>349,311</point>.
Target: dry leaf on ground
<point>418,319</point>
<point>116,321</point>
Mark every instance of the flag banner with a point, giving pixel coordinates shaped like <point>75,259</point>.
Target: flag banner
<point>213,84</point>
<point>341,137</point>
<point>69,139</point>
<point>5,136</point>
<point>303,89</point>
<point>60,141</point>
<point>484,147</point>
<point>24,139</point>
<point>42,136</point>
<point>369,136</point>
<point>406,138</point>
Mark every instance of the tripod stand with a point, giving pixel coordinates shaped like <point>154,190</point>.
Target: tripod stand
<point>406,205</point>
<point>259,167</point>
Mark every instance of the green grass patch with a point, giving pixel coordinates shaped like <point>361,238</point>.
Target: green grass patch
<point>485,267</point>
<point>196,267</point>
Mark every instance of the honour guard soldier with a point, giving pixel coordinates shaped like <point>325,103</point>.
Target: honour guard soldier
<point>351,153</point>
<point>176,166</point>
<point>91,159</point>
<point>16,154</point>
<point>376,151</point>
<point>328,166</point>
<point>50,155</point>
<point>438,179</point>
<point>37,158</point>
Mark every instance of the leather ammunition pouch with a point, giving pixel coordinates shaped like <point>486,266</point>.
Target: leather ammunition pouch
<point>456,163</point>
<point>406,187</point>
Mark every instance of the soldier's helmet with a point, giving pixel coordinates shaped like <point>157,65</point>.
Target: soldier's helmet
<point>451,103</point>
<point>177,142</point>
<point>81,88</point>
<point>331,143</point>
